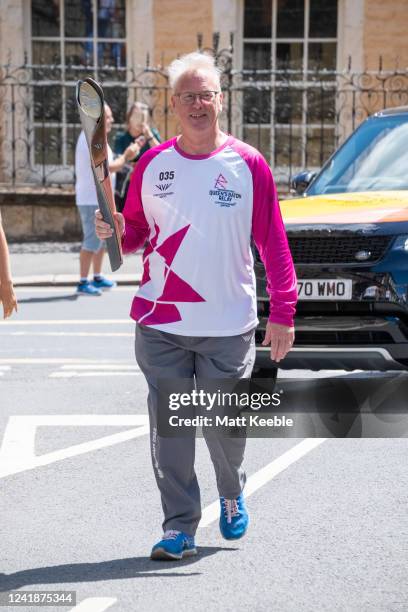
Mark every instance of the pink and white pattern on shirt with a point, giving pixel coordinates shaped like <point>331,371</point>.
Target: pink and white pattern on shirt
<point>174,288</point>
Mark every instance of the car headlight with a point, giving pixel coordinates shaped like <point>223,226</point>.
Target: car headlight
<point>401,243</point>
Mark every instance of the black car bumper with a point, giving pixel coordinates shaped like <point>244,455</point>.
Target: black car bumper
<point>367,332</point>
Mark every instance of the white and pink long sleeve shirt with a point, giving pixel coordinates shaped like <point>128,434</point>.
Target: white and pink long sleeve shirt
<point>198,214</point>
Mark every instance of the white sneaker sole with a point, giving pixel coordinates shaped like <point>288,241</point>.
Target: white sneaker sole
<point>160,554</point>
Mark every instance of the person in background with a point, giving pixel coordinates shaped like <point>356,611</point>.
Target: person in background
<point>93,249</point>
<point>137,130</point>
<point>7,296</point>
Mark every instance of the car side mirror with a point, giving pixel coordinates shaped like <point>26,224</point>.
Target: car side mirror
<point>301,181</point>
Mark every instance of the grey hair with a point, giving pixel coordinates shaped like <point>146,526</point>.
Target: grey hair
<point>192,62</point>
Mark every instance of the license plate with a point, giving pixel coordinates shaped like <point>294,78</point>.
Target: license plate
<point>325,289</point>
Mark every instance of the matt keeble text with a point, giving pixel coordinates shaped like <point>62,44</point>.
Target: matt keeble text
<point>252,420</point>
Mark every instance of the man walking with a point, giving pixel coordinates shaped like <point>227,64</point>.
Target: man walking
<point>197,199</point>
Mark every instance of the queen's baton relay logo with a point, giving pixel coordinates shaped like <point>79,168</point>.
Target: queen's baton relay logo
<point>224,197</point>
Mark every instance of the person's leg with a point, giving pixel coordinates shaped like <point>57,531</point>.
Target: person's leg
<point>90,244</point>
<point>97,261</point>
<point>226,357</point>
<point>92,252</point>
<point>85,260</point>
<point>162,355</point>
<point>100,281</point>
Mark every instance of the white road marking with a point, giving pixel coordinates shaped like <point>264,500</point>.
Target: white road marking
<point>17,452</point>
<point>67,322</point>
<point>78,334</point>
<point>74,374</point>
<point>212,512</point>
<point>108,366</point>
<point>4,367</point>
<point>108,369</point>
<point>68,289</point>
<point>95,604</point>
<point>58,360</point>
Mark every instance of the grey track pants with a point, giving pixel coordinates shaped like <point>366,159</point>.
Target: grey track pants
<point>161,354</point>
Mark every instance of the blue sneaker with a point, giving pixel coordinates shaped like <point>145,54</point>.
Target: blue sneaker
<point>174,545</point>
<point>103,283</point>
<point>88,289</point>
<point>234,518</point>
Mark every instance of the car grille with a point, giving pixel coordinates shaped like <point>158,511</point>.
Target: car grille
<point>335,338</point>
<point>339,338</point>
<point>335,249</point>
<point>306,308</point>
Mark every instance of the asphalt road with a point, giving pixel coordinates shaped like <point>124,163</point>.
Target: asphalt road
<point>80,510</point>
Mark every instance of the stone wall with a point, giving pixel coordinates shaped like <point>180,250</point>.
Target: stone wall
<point>45,215</point>
<point>30,216</point>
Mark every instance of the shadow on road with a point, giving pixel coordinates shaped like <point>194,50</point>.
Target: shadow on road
<point>70,297</point>
<point>116,569</point>
<point>351,405</point>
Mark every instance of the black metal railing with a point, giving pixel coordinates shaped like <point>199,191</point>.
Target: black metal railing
<point>296,119</point>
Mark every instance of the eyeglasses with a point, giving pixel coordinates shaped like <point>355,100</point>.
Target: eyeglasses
<point>188,97</point>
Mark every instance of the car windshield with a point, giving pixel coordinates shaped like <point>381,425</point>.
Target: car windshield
<point>375,158</point>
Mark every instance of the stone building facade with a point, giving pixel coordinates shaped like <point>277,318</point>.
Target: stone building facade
<point>163,28</point>
<point>36,145</point>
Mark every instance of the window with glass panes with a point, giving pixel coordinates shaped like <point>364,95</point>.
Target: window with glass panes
<point>289,60</point>
<point>71,39</point>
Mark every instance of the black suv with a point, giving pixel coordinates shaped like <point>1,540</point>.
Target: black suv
<point>348,235</point>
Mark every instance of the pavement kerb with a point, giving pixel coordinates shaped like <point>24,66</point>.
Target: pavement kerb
<point>67,280</point>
